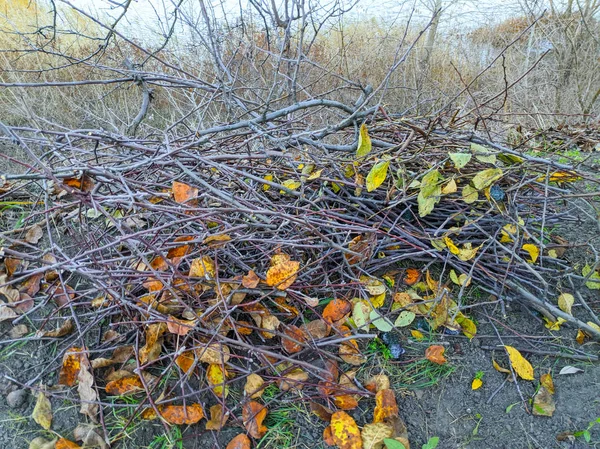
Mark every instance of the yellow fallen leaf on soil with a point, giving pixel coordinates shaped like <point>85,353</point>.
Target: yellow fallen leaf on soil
<point>283,272</point>
<point>345,432</point>
<point>42,412</point>
<point>565,302</point>
<point>373,435</point>
<point>216,374</point>
<point>534,251</point>
<point>476,384</point>
<point>385,405</point>
<point>254,386</point>
<point>450,187</point>
<point>580,338</point>
<point>519,363</point>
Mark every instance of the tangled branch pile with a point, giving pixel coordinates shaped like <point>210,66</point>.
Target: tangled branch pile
<point>252,255</point>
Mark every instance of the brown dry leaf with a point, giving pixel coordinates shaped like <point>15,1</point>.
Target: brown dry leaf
<point>328,436</point>
<point>316,329</point>
<point>203,267</point>
<point>60,296</point>
<point>90,437</point>
<point>411,276</point>
<point>42,443</point>
<point>543,403</point>
<point>400,432</point>
<point>71,365</point>
<point>350,353</point>
<point>159,264</point>
<point>6,313</point>
<point>65,328</point>
<point>151,350</point>
<point>217,418</point>
<point>177,253</point>
<point>251,280</point>
<point>287,310</point>
<point>214,353</point>
<point>239,442</point>
<point>293,340</point>
<point>283,271</point>
<point>66,444</point>
<point>86,390</point>
<point>180,414</point>
<point>385,406</point>
<point>12,265</point>
<point>373,435</point>
<point>377,383</point>
<point>345,402</point>
<point>180,327</point>
<point>216,240</point>
<point>124,385</point>
<point>20,330</point>
<point>547,382</point>
<point>345,432</point>
<point>42,412</point>
<point>253,415</point>
<point>183,193</point>
<point>337,310</point>
<point>254,386</point>
<point>185,361</point>
<point>519,363</point>
<point>435,354</point>
<point>216,375</point>
<point>34,234</point>
<point>32,285</point>
<point>361,245</point>
<point>294,379</point>
<point>321,411</point>
<point>84,183</point>
<point>269,323</point>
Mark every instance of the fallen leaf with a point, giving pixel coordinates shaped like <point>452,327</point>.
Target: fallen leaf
<point>214,353</point>
<point>499,368</point>
<point>547,382</point>
<point>293,339</point>
<point>180,327</point>
<point>345,432</point>
<point>533,252</point>
<point>216,374</point>
<point>328,436</point>
<point>42,443</point>
<point>345,402</point>
<point>381,323</point>
<point>254,386</point>
<point>385,405</point>
<point>253,415</point>
<point>125,385</point>
<point>90,437</point>
<point>466,253</point>
<point>336,310</point>
<point>86,391</point>
<point>203,267</point>
<point>377,175</point>
<point>373,435</point>
<point>240,442</point>
<point>350,353</point>
<point>485,178</point>
<point>435,354</point>
<point>519,363</point>
<point>417,334</point>
<point>321,411</point>
<point>543,403</point>
<point>360,314</point>
<point>317,329</point>
<point>294,379</point>
<point>377,383</point>
<point>185,361</point>
<point>42,412</point>
<point>469,194</point>
<point>217,418</point>
<point>460,159</point>
<point>405,318</point>
<point>580,337</point>
<point>151,350</point>
<point>66,444</point>
<point>565,302</point>
<point>283,271</point>
<point>594,279</point>
<point>570,370</point>
<point>179,414</point>
<point>70,367</point>
<point>476,384</point>
<point>364,142</point>
<point>65,328</point>
<point>251,280</point>
<point>34,234</point>
<point>182,193</point>
<point>411,276</point>
<point>290,184</point>
<point>430,192</point>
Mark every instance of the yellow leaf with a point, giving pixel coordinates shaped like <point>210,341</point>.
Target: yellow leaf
<point>560,176</point>
<point>519,363</point>
<point>283,271</point>
<point>476,384</point>
<point>290,184</point>
<point>547,382</point>
<point>467,252</point>
<point>202,267</point>
<point>467,325</point>
<point>267,178</point>
<point>485,178</point>
<point>378,300</point>
<point>507,232</point>
<point>554,325</point>
<point>469,194</point>
<point>565,302</point>
<point>417,334</point>
<point>215,374</point>
<point>499,368</point>
<point>377,175</point>
<point>42,413</point>
<point>315,175</point>
<point>533,251</point>
<point>450,187</point>
<point>461,279</point>
<point>364,142</point>
<point>580,338</point>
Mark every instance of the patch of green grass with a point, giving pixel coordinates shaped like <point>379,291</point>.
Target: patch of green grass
<point>171,440</point>
<point>417,374</point>
<point>281,424</point>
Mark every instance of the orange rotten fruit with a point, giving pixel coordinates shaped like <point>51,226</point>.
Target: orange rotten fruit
<point>385,405</point>
<point>253,415</point>
<point>239,442</point>
<point>180,414</point>
<point>435,354</point>
<point>283,271</point>
<point>345,432</point>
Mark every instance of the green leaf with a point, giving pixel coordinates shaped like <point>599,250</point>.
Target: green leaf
<point>431,443</point>
<point>485,178</point>
<point>510,407</point>
<point>405,318</point>
<point>364,142</point>
<point>510,159</point>
<point>377,175</point>
<point>430,192</point>
<point>469,194</point>
<point>393,444</point>
<point>483,154</point>
<point>360,315</point>
<point>379,322</point>
<point>460,159</point>
<point>594,277</point>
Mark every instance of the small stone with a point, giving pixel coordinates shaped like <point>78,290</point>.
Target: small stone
<point>17,398</point>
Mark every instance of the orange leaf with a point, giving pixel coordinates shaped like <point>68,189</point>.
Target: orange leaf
<point>217,418</point>
<point>151,350</point>
<point>178,252</point>
<point>345,432</point>
<point>180,327</point>
<point>183,192</point>
<point>159,264</point>
<point>328,436</point>
<point>435,354</point>
<point>345,402</point>
<point>239,442</point>
<point>11,264</point>
<point>336,310</point>
<point>215,374</point>
<point>253,415</point>
<point>125,385</point>
<point>70,367</point>
<point>385,405</point>
<point>321,411</point>
<point>179,414</point>
<point>283,272</point>
<point>65,444</point>
<point>85,183</point>
<point>185,361</point>
<point>296,337</point>
<point>411,276</point>
<point>251,280</point>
